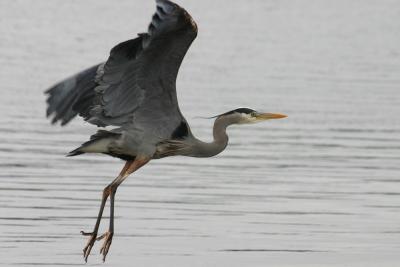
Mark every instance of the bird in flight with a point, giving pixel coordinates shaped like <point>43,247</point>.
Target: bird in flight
<point>134,92</point>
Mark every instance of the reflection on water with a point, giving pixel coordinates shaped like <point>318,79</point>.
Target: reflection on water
<point>319,188</point>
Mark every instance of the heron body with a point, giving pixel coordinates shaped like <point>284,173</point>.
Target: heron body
<point>134,92</point>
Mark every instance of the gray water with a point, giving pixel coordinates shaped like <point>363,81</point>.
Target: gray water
<point>320,188</point>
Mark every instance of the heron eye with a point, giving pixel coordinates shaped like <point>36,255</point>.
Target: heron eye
<point>253,114</point>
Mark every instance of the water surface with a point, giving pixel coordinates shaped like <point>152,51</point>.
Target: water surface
<point>320,188</point>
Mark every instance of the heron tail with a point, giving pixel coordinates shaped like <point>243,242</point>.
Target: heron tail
<point>98,143</point>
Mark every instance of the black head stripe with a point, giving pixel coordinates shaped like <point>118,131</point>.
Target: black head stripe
<point>238,110</point>
<point>244,110</point>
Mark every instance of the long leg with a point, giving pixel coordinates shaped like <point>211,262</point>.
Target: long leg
<point>139,162</point>
<point>109,234</point>
<point>93,235</point>
<point>110,191</point>
<point>105,195</point>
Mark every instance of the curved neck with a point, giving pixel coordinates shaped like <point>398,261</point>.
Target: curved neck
<point>219,131</point>
<point>203,149</point>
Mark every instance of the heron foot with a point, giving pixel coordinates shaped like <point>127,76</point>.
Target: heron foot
<point>90,243</point>
<point>106,244</point>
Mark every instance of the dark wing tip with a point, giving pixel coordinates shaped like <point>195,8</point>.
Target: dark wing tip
<point>167,6</point>
<point>169,11</point>
<point>62,97</point>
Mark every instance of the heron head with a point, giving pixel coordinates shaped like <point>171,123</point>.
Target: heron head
<point>247,115</point>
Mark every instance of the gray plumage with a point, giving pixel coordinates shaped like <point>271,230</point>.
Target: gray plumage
<point>135,88</point>
<point>72,96</point>
<point>134,92</point>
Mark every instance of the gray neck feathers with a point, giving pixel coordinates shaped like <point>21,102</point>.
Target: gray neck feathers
<point>203,149</point>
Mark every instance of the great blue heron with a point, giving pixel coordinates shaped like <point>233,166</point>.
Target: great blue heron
<point>135,91</point>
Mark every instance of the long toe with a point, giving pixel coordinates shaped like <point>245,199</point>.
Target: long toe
<point>89,245</point>
<point>107,243</point>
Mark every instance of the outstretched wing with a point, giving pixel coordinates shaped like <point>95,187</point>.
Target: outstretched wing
<point>64,96</point>
<point>136,85</point>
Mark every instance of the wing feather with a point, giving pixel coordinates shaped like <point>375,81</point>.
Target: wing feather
<point>136,85</point>
<point>72,96</point>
